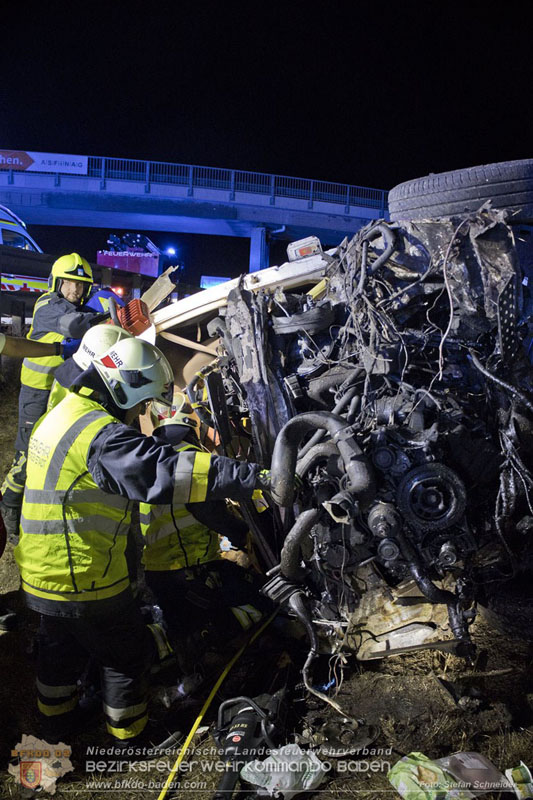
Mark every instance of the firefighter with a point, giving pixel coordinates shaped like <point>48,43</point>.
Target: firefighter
<point>182,555</point>
<point>86,463</point>
<point>19,347</point>
<point>56,317</point>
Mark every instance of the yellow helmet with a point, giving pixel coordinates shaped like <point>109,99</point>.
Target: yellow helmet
<point>70,268</point>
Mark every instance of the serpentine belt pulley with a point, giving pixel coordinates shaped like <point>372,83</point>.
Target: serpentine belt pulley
<point>432,497</point>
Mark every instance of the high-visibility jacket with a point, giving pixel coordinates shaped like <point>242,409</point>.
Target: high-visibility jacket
<point>54,319</point>
<point>173,537</point>
<point>39,372</point>
<point>83,466</point>
<point>73,535</point>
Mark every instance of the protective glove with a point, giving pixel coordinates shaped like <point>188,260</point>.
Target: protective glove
<point>69,347</point>
<point>264,481</point>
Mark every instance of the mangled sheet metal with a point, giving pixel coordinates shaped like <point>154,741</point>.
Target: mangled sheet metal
<point>258,367</point>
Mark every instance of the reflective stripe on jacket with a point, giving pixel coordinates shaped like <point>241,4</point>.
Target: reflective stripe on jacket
<point>73,535</point>
<point>173,537</point>
<point>39,372</point>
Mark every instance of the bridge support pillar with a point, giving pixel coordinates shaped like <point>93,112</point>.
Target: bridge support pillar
<point>259,249</point>
<point>106,277</point>
<point>136,286</point>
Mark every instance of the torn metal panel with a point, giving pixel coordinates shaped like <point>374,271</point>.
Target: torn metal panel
<point>199,306</point>
<point>268,407</point>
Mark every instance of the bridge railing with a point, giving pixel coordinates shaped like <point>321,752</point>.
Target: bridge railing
<point>233,181</point>
<point>230,180</point>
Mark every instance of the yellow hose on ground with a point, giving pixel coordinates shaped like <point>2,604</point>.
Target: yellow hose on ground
<point>208,702</point>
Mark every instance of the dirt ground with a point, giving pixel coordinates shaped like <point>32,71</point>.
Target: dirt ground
<point>427,702</point>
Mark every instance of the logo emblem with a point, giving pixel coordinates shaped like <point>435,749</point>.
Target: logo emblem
<point>112,360</point>
<point>30,773</point>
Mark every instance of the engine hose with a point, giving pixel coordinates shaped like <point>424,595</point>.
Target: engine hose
<point>347,384</point>
<point>350,395</point>
<point>319,452</point>
<point>389,238</point>
<point>321,388</point>
<point>290,553</point>
<point>354,407</point>
<point>390,245</point>
<point>425,584</point>
<point>432,592</point>
<point>428,588</point>
<point>435,595</point>
<point>499,382</point>
<point>283,466</point>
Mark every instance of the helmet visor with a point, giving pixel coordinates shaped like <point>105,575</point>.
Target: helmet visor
<point>136,379</point>
<point>167,394</point>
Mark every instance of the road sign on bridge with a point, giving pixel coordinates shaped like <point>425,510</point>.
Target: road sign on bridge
<point>30,161</point>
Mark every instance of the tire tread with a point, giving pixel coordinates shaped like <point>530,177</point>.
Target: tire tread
<point>509,184</point>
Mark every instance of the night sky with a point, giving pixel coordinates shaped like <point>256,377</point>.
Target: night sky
<point>369,94</point>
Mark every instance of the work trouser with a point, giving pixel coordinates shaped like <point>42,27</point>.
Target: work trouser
<point>218,596</point>
<point>122,647</point>
<point>32,405</point>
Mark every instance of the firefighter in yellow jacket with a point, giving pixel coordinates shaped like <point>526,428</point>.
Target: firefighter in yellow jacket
<point>86,464</point>
<point>195,587</point>
<point>56,316</point>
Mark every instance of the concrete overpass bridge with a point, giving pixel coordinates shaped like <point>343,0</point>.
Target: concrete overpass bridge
<point>117,193</point>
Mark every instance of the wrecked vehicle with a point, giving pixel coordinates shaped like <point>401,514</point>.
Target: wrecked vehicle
<point>392,374</point>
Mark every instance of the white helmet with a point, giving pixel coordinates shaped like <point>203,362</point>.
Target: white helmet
<point>134,370</point>
<point>96,341</point>
<point>180,413</point>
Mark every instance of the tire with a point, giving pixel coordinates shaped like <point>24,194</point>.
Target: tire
<point>509,184</point>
